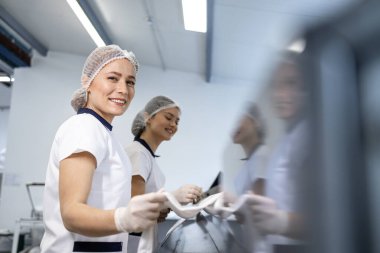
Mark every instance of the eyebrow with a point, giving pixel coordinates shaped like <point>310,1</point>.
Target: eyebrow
<point>171,114</point>
<point>118,74</point>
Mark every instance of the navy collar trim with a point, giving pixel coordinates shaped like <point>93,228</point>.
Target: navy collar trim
<point>142,142</point>
<point>93,113</point>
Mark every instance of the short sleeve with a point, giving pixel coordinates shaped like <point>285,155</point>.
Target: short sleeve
<point>82,133</point>
<point>140,163</point>
<point>261,162</point>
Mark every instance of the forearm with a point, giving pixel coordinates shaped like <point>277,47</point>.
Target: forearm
<point>85,220</point>
<point>138,185</point>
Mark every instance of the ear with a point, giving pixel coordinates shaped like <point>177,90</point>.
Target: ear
<point>146,118</point>
<point>84,80</point>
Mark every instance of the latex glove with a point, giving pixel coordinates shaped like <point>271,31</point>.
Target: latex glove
<point>188,194</point>
<point>163,215</point>
<point>266,216</point>
<point>141,213</point>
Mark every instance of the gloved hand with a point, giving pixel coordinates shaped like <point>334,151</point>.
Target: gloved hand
<point>163,215</point>
<point>141,213</point>
<point>187,194</point>
<point>266,216</point>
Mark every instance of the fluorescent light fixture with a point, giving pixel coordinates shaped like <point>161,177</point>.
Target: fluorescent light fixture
<point>6,79</point>
<point>86,23</point>
<point>195,15</point>
<point>297,46</point>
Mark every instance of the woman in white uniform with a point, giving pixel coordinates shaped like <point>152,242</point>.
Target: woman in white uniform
<point>250,134</point>
<point>279,215</point>
<point>158,122</point>
<point>87,198</point>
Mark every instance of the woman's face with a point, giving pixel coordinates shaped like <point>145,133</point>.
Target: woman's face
<point>165,123</point>
<point>287,91</point>
<point>113,89</point>
<point>245,131</point>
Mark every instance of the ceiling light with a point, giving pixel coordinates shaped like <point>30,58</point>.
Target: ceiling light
<point>195,15</point>
<point>6,79</point>
<point>86,23</point>
<point>297,46</point>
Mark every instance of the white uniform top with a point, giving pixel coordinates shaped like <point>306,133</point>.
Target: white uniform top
<point>111,182</point>
<point>285,166</point>
<point>145,165</point>
<point>254,168</point>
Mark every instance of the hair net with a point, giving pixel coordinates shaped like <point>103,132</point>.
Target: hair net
<point>254,113</point>
<point>99,58</point>
<point>155,105</point>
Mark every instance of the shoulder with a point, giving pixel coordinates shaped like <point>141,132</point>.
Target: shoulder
<point>263,150</point>
<point>82,123</point>
<point>135,150</point>
<point>84,120</point>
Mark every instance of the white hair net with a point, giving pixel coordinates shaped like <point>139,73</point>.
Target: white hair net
<point>155,105</point>
<point>99,58</point>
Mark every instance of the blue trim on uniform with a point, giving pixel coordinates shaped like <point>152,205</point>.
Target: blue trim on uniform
<point>97,246</point>
<point>142,142</point>
<point>93,113</point>
<point>135,234</point>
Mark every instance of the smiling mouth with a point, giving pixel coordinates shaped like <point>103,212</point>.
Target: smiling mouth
<point>170,131</point>
<point>118,101</point>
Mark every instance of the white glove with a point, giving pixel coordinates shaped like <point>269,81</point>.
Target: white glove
<point>141,213</point>
<point>187,194</point>
<point>266,216</point>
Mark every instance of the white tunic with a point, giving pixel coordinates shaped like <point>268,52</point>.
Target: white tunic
<point>111,183</point>
<point>145,165</point>
<point>254,168</point>
<point>285,166</point>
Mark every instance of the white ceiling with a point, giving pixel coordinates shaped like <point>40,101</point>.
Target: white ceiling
<point>243,30</point>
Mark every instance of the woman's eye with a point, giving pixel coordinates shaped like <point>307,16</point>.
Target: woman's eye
<point>130,83</point>
<point>112,78</point>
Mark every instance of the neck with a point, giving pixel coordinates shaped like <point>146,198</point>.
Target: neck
<point>250,147</point>
<point>108,119</point>
<point>152,141</point>
<point>291,122</point>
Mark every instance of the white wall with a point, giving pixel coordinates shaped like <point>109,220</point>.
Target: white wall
<point>5,99</point>
<point>4,115</point>
<point>41,102</point>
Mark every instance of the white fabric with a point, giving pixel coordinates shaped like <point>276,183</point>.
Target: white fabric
<point>148,242</point>
<point>283,174</point>
<point>214,205</point>
<point>145,165</point>
<point>254,168</point>
<point>190,211</point>
<point>110,184</point>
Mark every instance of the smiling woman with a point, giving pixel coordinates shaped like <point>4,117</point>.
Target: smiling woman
<point>87,198</point>
<point>156,123</point>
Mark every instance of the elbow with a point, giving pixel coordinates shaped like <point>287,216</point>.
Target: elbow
<point>68,220</point>
<point>69,227</point>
